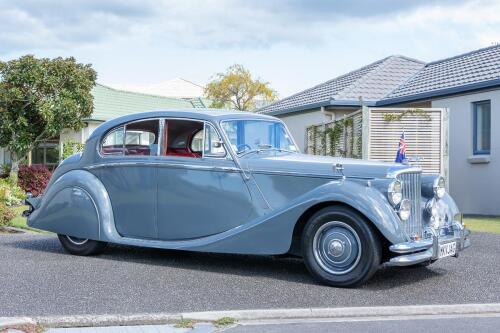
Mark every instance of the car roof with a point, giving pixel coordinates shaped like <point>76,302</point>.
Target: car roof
<point>214,115</point>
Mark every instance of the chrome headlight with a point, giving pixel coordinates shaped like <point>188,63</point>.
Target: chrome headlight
<point>433,213</point>
<point>405,209</point>
<point>394,193</point>
<point>439,187</point>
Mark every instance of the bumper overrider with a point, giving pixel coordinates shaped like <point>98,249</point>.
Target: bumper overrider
<point>428,249</point>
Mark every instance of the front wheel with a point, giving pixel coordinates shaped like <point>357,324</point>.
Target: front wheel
<point>340,247</point>
<point>81,246</point>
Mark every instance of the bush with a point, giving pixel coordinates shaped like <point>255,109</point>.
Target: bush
<point>10,193</point>
<point>33,178</point>
<point>6,214</point>
<point>4,170</point>
<point>71,147</point>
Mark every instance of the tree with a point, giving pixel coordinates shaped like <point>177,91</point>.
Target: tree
<point>38,99</point>
<point>237,89</point>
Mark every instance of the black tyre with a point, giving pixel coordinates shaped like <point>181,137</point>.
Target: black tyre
<point>340,247</point>
<point>80,246</point>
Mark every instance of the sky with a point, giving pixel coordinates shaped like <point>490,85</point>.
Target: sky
<point>292,44</point>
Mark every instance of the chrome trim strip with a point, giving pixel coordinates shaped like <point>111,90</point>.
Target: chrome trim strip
<point>164,165</point>
<point>296,174</point>
<point>395,173</point>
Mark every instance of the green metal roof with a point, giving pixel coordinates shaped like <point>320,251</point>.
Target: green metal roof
<point>110,103</point>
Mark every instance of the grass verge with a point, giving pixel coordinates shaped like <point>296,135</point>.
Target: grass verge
<point>483,224</point>
<point>20,221</point>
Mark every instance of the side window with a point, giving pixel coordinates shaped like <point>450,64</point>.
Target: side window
<point>113,142</point>
<point>182,138</point>
<point>213,143</point>
<point>141,138</point>
<point>482,127</point>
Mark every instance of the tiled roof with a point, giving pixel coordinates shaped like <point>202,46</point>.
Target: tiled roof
<point>471,68</point>
<point>111,103</point>
<point>371,82</point>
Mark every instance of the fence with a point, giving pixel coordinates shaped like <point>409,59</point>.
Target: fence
<point>373,133</point>
<point>342,137</point>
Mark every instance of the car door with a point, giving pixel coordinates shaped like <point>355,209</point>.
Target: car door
<point>129,174</point>
<point>201,192</point>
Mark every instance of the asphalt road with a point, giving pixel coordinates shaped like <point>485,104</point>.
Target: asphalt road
<point>436,325</point>
<point>38,278</point>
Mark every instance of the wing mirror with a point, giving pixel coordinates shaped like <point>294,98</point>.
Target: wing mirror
<point>217,144</point>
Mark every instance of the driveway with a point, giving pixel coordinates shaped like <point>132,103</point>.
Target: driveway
<point>38,278</point>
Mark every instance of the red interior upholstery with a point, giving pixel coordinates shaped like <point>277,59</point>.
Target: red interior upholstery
<point>182,152</point>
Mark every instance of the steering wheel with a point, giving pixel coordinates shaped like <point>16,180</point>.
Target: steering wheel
<point>242,147</point>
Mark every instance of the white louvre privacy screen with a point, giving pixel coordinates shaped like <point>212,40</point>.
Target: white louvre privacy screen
<point>425,134</point>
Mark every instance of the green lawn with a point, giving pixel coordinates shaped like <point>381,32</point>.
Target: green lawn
<point>20,221</point>
<point>483,224</point>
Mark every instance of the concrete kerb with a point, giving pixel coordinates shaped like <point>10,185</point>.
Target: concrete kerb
<point>249,315</point>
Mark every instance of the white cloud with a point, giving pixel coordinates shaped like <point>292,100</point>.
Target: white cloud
<point>293,44</point>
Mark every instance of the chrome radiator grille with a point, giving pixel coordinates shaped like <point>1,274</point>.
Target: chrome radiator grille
<point>411,187</point>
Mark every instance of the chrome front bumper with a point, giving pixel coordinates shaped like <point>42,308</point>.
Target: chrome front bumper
<point>427,250</point>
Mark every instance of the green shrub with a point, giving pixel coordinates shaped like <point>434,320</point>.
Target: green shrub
<point>6,214</point>
<point>4,170</point>
<point>71,147</point>
<point>10,193</point>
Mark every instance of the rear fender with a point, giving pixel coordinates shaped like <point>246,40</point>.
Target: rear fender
<point>73,205</point>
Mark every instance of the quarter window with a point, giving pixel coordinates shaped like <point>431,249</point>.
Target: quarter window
<point>482,127</point>
<point>213,143</point>
<point>113,142</point>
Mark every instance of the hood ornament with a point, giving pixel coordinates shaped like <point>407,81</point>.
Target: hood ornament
<point>339,168</point>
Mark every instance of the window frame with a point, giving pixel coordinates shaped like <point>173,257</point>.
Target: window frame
<point>161,128</point>
<point>476,151</point>
<point>226,138</point>
<point>124,125</point>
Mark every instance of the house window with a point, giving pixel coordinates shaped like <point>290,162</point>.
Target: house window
<point>46,153</point>
<point>482,127</point>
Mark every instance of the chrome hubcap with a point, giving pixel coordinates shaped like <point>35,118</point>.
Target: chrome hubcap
<point>336,247</point>
<point>76,240</point>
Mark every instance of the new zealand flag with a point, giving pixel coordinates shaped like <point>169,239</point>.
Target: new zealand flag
<point>401,155</point>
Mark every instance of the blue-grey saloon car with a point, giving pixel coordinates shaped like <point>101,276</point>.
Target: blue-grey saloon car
<point>235,182</point>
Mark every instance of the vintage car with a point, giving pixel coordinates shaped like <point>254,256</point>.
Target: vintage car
<point>235,182</point>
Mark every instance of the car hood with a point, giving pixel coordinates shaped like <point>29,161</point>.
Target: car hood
<point>318,165</point>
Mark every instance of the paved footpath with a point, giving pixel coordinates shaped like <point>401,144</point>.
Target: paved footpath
<point>39,279</point>
<point>437,325</point>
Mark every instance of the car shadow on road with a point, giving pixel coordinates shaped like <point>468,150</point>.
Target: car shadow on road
<point>277,267</point>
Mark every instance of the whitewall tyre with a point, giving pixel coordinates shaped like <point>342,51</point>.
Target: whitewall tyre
<point>81,246</point>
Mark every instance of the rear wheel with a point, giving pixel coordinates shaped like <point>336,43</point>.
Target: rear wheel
<point>340,248</point>
<point>81,246</point>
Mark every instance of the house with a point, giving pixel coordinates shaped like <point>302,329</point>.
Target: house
<point>468,85</point>
<point>108,103</point>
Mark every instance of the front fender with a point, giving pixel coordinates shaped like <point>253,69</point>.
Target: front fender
<point>365,198</point>
<point>75,204</point>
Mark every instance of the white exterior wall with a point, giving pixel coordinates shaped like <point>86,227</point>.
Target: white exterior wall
<point>297,123</point>
<point>474,186</point>
<point>79,136</point>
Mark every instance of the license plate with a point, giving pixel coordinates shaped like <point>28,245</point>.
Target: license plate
<point>448,249</point>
